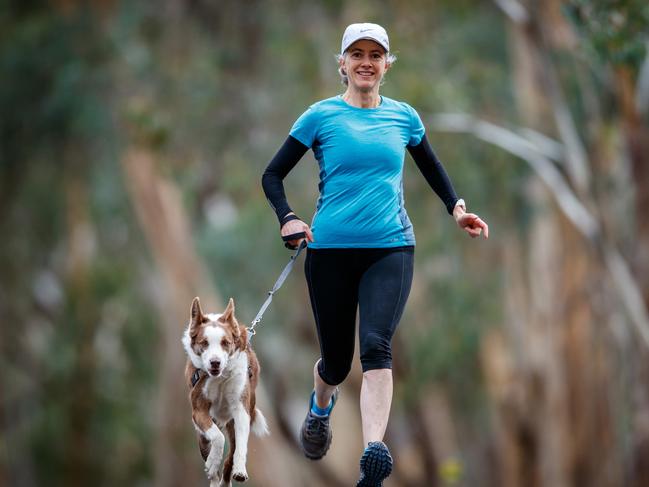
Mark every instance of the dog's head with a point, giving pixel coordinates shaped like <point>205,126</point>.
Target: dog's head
<point>211,339</point>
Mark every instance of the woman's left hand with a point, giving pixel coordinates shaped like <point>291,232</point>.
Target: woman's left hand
<point>471,223</point>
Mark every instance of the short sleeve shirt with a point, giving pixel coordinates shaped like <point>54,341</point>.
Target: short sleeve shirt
<point>360,152</point>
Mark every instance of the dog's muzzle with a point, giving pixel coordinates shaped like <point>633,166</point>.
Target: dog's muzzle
<point>215,367</point>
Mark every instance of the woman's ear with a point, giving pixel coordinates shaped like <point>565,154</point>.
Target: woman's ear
<point>341,65</point>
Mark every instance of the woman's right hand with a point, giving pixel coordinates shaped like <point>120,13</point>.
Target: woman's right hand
<point>296,226</point>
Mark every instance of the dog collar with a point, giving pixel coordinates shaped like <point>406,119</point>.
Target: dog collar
<point>196,377</point>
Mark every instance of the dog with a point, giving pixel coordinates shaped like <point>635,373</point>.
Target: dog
<point>222,373</point>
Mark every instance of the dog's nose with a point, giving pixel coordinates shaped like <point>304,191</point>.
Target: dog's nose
<point>215,364</point>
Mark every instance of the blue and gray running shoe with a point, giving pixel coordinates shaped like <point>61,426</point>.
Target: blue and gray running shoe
<point>376,465</point>
<point>315,436</point>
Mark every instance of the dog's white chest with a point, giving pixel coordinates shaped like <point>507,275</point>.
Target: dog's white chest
<point>225,392</point>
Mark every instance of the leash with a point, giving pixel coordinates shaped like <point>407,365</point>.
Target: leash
<point>280,280</point>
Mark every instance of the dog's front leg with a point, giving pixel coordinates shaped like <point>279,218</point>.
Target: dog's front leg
<point>206,427</point>
<point>241,433</point>
<point>217,444</point>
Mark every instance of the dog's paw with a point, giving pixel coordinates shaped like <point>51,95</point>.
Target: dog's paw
<point>212,466</point>
<point>212,471</point>
<point>240,476</point>
<point>213,462</point>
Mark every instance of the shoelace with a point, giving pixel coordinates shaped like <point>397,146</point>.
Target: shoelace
<point>316,427</point>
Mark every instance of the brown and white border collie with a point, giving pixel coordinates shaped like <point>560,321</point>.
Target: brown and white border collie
<point>222,373</point>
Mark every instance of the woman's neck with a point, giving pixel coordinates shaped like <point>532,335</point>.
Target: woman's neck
<point>362,99</point>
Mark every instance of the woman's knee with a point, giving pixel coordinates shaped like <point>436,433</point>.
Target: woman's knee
<point>376,352</point>
<point>333,373</point>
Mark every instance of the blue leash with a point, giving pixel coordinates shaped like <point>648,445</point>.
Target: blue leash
<point>280,280</point>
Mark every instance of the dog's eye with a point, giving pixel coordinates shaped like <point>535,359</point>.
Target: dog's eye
<point>225,343</point>
<point>203,343</point>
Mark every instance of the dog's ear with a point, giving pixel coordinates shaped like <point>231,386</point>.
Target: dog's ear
<point>196,314</point>
<point>228,318</point>
<point>228,314</point>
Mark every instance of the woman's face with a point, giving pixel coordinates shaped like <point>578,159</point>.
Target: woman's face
<point>365,63</point>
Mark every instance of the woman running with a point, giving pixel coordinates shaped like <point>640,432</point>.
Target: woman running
<point>361,242</point>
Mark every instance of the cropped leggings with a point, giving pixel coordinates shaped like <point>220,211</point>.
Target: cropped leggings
<point>374,281</point>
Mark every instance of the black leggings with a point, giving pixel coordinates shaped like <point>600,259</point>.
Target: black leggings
<point>377,281</point>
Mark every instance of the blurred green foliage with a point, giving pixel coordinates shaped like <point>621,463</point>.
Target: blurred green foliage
<point>616,31</point>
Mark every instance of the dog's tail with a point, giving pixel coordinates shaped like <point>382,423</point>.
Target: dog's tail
<point>259,425</point>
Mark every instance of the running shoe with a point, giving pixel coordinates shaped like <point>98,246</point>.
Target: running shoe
<point>315,436</point>
<point>376,465</point>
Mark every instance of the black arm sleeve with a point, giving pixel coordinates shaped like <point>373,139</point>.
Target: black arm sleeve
<point>434,172</point>
<point>286,158</point>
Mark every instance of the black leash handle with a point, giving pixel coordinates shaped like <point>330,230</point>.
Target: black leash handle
<point>293,236</point>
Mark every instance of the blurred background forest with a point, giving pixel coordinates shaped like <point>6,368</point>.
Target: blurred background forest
<point>133,136</point>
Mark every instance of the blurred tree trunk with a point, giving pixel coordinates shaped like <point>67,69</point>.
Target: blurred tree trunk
<point>636,133</point>
<point>159,210</point>
<point>548,372</point>
<point>84,310</point>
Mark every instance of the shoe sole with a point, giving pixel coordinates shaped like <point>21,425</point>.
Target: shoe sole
<point>376,465</point>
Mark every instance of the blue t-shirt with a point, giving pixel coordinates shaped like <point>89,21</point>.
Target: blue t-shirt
<point>360,152</point>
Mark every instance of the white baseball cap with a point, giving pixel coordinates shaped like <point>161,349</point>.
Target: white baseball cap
<point>356,32</point>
